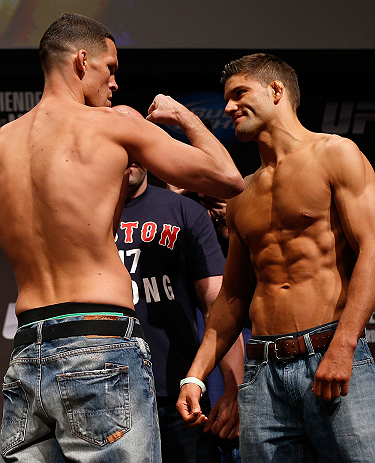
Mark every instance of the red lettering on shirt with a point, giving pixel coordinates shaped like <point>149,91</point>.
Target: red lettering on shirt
<point>148,231</point>
<point>129,228</point>
<point>169,235</point>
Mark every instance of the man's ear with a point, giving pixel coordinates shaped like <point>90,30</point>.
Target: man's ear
<point>81,62</point>
<point>278,90</point>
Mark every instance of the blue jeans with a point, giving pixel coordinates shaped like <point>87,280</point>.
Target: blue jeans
<point>229,450</point>
<point>281,420</point>
<point>80,399</point>
<point>181,444</point>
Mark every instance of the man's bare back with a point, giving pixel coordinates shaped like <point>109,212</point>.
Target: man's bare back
<point>64,163</point>
<point>301,258</point>
<point>59,170</point>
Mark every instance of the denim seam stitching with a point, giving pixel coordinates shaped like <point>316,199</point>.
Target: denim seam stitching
<point>78,351</point>
<point>24,419</point>
<point>69,413</point>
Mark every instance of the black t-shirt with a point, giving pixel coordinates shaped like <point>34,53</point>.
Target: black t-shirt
<point>167,242</point>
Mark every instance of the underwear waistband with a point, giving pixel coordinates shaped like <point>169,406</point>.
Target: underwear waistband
<point>296,334</point>
<point>66,309</point>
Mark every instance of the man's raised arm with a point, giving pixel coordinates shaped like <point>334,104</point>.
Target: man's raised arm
<point>205,166</point>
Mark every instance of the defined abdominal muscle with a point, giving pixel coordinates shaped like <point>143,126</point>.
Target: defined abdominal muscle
<point>294,260</point>
<point>298,287</point>
<point>289,305</point>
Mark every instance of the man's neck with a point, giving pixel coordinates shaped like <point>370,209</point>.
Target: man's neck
<point>64,87</point>
<point>283,138</point>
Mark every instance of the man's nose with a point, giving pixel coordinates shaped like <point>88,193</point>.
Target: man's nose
<point>113,84</point>
<point>230,107</point>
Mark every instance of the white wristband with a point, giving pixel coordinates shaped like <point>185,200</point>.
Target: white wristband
<point>192,379</point>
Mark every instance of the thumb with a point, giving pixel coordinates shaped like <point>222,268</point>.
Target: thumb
<point>195,407</point>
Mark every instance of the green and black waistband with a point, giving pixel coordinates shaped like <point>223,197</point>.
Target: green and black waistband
<point>100,320</point>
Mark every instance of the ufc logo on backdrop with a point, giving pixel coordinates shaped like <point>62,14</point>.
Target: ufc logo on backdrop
<point>348,117</point>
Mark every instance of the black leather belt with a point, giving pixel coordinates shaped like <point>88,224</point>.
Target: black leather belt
<point>68,329</point>
<point>288,346</point>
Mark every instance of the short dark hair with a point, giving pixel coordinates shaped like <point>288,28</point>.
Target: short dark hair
<point>71,30</point>
<point>266,68</point>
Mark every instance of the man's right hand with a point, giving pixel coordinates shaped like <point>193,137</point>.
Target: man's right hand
<point>188,405</point>
<point>165,110</point>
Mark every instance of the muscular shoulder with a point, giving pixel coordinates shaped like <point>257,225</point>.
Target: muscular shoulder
<point>13,136</point>
<point>108,119</point>
<point>120,121</point>
<point>14,127</point>
<point>101,119</point>
<point>335,143</point>
<point>330,147</point>
<point>343,160</point>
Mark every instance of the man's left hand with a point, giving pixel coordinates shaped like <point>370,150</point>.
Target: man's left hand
<point>333,374</point>
<point>224,419</point>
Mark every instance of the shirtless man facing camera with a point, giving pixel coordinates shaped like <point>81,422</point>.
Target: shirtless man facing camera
<point>301,264</point>
<point>79,386</point>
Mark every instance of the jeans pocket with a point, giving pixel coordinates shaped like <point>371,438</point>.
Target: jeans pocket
<point>16,405</point>
<point>97,403</point>
<point>362,354</point>
<point>252,371</point>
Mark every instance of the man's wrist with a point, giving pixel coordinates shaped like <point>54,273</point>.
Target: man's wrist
<point>188,121</point>
<point>194,380</point>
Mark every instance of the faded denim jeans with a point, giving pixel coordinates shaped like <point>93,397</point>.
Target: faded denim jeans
<point>80,399</point>
<point>282,421</point>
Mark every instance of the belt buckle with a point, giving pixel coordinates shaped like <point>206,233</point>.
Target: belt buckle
<point>283,338</point>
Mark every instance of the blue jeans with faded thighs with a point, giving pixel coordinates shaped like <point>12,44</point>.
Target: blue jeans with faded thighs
<point>85,399</point>
<point>282,421</point>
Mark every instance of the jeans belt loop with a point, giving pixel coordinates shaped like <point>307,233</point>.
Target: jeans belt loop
<point>265,355</point>
<point>129,329</point>
<point>39,332</point>
<point>308,344</point>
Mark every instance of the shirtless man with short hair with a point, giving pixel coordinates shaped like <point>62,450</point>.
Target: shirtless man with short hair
<point>301,261</point>
<point>62,176</point>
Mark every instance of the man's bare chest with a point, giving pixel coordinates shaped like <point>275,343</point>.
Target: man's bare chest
<point>284,203</point>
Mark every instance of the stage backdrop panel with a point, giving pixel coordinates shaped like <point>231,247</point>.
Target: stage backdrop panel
<point>182,24</point>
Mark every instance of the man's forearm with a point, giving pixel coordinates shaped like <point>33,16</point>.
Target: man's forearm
<point>222,330</point>
<point>332,378</point>
<point>165,110</point>
<point>232,365</point>
<point>361,297</point>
